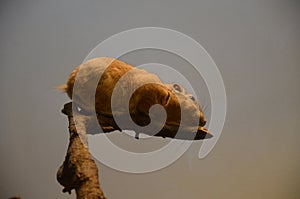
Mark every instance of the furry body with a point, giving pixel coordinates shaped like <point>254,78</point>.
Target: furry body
<point>150,91</point>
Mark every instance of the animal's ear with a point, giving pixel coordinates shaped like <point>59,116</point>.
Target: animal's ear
<point>177,88</point>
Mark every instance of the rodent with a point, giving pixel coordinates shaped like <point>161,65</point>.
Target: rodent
<point>148,94</point>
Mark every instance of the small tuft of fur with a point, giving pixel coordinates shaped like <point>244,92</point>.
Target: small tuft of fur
<point>62,87</point>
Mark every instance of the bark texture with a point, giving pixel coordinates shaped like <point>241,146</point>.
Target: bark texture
<point>79,171</point>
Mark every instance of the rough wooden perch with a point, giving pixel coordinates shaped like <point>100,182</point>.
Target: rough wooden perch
<point>79,171</point>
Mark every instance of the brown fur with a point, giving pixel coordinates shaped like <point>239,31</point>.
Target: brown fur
<point>140,102</point>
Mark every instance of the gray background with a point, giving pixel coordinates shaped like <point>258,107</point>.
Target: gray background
<point>255,44</point>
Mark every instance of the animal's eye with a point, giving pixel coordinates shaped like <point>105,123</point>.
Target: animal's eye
<point>192,98</point>
<point>177,88</point>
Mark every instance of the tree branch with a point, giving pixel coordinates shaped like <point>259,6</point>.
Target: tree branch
<point>79,171</point>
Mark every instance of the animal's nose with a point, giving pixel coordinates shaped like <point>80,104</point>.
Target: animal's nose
<point>202,120</point>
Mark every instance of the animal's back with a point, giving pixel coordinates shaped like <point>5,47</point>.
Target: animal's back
<point>110,70</point>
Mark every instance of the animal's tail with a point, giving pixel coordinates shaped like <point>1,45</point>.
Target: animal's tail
<point>62,87</point>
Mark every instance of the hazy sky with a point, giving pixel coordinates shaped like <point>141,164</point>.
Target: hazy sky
<point>255,44</point>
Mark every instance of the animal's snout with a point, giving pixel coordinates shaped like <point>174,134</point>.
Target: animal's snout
<point>202,119</point>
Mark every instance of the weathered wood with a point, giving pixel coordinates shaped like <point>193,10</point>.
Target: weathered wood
<point>79,171</point>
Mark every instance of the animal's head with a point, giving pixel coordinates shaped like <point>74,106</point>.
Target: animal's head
<point>176,100</point>
<point>188,102</point>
